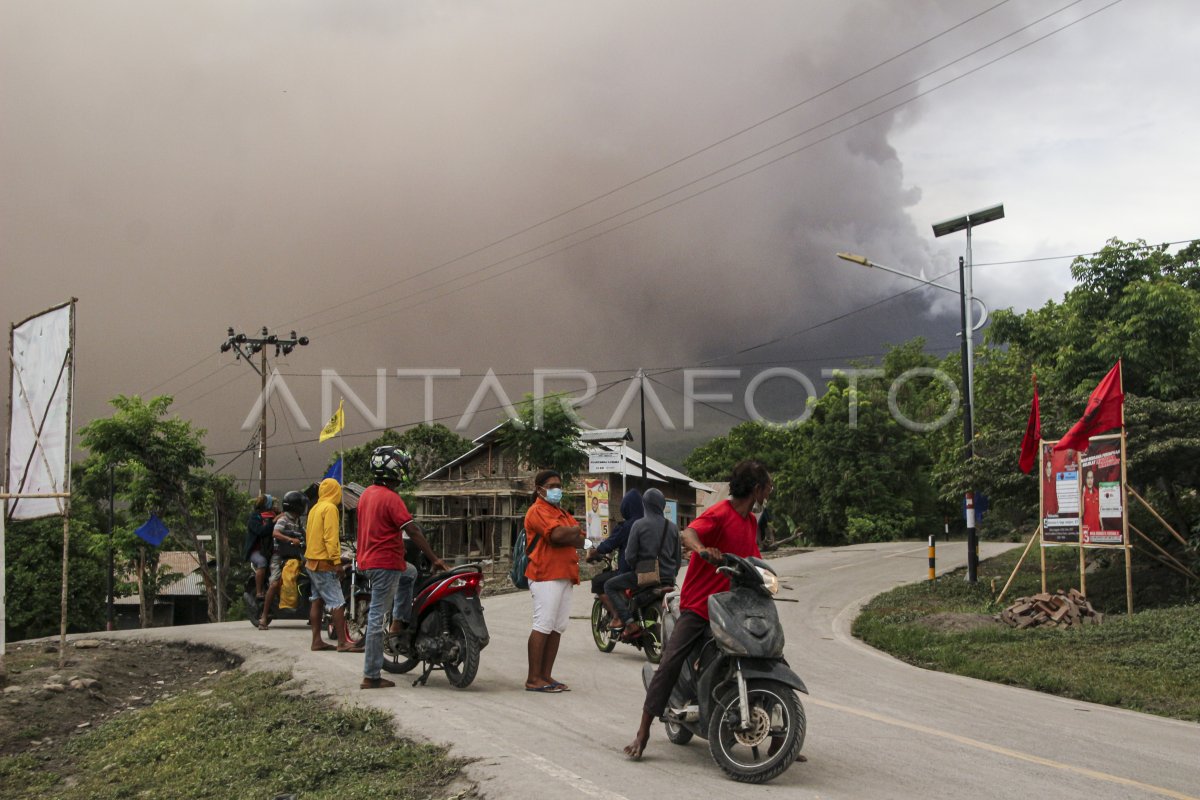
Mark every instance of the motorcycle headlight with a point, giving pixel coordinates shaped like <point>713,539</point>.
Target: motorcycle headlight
<point>770,581</point>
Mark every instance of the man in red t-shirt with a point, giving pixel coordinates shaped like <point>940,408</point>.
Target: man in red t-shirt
<point>383,522</point>
<point>727,527</point>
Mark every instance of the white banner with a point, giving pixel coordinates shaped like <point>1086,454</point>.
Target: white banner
<point>39,438</point>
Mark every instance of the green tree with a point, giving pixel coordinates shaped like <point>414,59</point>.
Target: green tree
<point>1136,302</point>
<point>430,445</point>
<point>158,467</point>
<point>545,435</point>
<point>33,575</point>
<point>857,473</point>
<point>714,460</point>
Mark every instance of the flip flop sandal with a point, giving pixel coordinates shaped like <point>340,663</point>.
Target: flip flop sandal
<point>549,688</point>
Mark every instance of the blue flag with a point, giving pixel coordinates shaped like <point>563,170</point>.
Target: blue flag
<point>154,531</point>
<point>335,471</point>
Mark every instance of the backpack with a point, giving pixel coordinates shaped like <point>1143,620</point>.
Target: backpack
<point>520,560</point>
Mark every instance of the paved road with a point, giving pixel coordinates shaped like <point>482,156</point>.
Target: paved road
<point>877,728</point>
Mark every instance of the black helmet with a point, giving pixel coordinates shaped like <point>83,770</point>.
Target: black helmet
<point>390,463</point>
<point>294,502</point>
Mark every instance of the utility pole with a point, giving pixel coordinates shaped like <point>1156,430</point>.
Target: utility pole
<point>642,395</point>
<point>244,347</point>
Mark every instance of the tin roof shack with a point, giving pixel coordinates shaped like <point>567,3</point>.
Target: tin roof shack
<point>182,600</point>
<point>474,505</point>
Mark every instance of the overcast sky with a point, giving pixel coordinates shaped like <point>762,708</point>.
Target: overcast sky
<point>528,185</point>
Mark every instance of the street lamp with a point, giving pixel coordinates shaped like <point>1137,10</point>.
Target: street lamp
<point>966,282</point>
<point>854,258</point>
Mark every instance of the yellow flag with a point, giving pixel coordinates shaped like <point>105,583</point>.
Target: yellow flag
<point>335,424</point>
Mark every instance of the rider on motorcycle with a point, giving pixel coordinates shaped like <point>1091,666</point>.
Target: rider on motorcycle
<point>631,512</point>
<point>289,544</point>
<point>652,537</point>
<point>383,524</point>
<point>727,527</point>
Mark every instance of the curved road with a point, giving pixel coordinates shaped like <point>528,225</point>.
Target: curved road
<point>878,728</point>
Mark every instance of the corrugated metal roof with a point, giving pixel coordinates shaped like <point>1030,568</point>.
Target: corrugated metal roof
<point>189,584</point>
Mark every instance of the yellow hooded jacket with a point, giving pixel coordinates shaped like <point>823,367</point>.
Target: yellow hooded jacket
<point>322,534</point>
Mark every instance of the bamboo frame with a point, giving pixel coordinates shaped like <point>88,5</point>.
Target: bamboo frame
<point>1173,562</point>
<point>1036,535</point>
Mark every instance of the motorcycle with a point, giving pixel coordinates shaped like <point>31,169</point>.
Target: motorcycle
<point>644,604</point>
<point>356,588</point>
<point>446,630</point>
<point>735,689</point>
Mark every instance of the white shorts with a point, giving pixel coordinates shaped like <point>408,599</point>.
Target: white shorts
<point>551,605</point>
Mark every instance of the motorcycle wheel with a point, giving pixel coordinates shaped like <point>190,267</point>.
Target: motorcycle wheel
<point>462,672</point>
<point>393,661</point>
<point>253,608</point>
<point>652,635</point>
<point>744,755</point>
<point>356,626</point>
<point>600,620</point>
<point>676,733</point>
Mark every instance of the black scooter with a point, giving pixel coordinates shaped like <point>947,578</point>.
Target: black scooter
<point>736,690</point>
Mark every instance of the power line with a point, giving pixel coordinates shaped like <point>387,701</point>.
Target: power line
<point>659,170</point>
<point>1082,255</point>
<point>716,172</point>
<point>712,174</point>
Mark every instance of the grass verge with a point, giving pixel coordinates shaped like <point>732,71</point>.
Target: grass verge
<point>243,736</point>
<point>1149,661</point>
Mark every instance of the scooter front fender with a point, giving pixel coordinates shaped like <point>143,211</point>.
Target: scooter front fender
<point>769,670</point>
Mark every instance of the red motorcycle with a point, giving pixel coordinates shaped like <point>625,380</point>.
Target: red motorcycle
<point>446,630</point>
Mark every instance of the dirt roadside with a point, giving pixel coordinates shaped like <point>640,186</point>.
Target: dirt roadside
<point>43,705</point>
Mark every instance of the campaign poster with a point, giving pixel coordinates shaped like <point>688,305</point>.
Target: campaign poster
<point>1102,499</point>
<point>596,497</point>
<point>1060,495</point>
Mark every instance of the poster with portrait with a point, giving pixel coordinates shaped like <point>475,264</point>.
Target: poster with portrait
<point>596,498</point>
<point>1060,495</point>
<point>1102,496</point>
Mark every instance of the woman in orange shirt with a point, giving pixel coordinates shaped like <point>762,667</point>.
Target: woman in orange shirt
<point>553,536</point>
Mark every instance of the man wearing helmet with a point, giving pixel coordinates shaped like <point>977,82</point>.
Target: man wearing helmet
<point>289,544</point>
<point>383,523</point>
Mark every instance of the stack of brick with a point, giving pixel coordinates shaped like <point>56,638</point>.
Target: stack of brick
<point>1058,610</point>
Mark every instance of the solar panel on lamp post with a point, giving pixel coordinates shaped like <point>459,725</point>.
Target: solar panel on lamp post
<point>967,222</point>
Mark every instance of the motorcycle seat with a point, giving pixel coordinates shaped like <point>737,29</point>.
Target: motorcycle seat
<point>652,594</point>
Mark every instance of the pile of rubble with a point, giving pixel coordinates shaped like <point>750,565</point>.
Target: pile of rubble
<point>1058,610</point>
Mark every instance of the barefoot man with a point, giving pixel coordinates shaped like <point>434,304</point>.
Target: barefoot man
<point>727,527</point>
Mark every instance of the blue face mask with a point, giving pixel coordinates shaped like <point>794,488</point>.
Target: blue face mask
<point>554,496</point>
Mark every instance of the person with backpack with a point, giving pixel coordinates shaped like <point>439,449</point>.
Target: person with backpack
<point>289,544</point>
<point>554,537</point>
<point>258,543</point>
<point>653,541</point>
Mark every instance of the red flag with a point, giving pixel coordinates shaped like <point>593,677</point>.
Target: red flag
<point>1033,434</point>
<point>1103,412</point>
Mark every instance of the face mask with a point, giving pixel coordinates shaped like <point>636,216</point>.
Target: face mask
<point>554,496</point>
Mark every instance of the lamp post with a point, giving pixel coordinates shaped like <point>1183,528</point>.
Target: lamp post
<point>967,222</point>
<point>968,328</point>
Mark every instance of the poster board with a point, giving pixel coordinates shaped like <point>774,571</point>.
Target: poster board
<point>1083,496</point>
<point>596,502</point>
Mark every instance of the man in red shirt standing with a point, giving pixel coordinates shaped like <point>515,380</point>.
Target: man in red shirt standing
<point>727,527</point>
<point>383,521</point>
